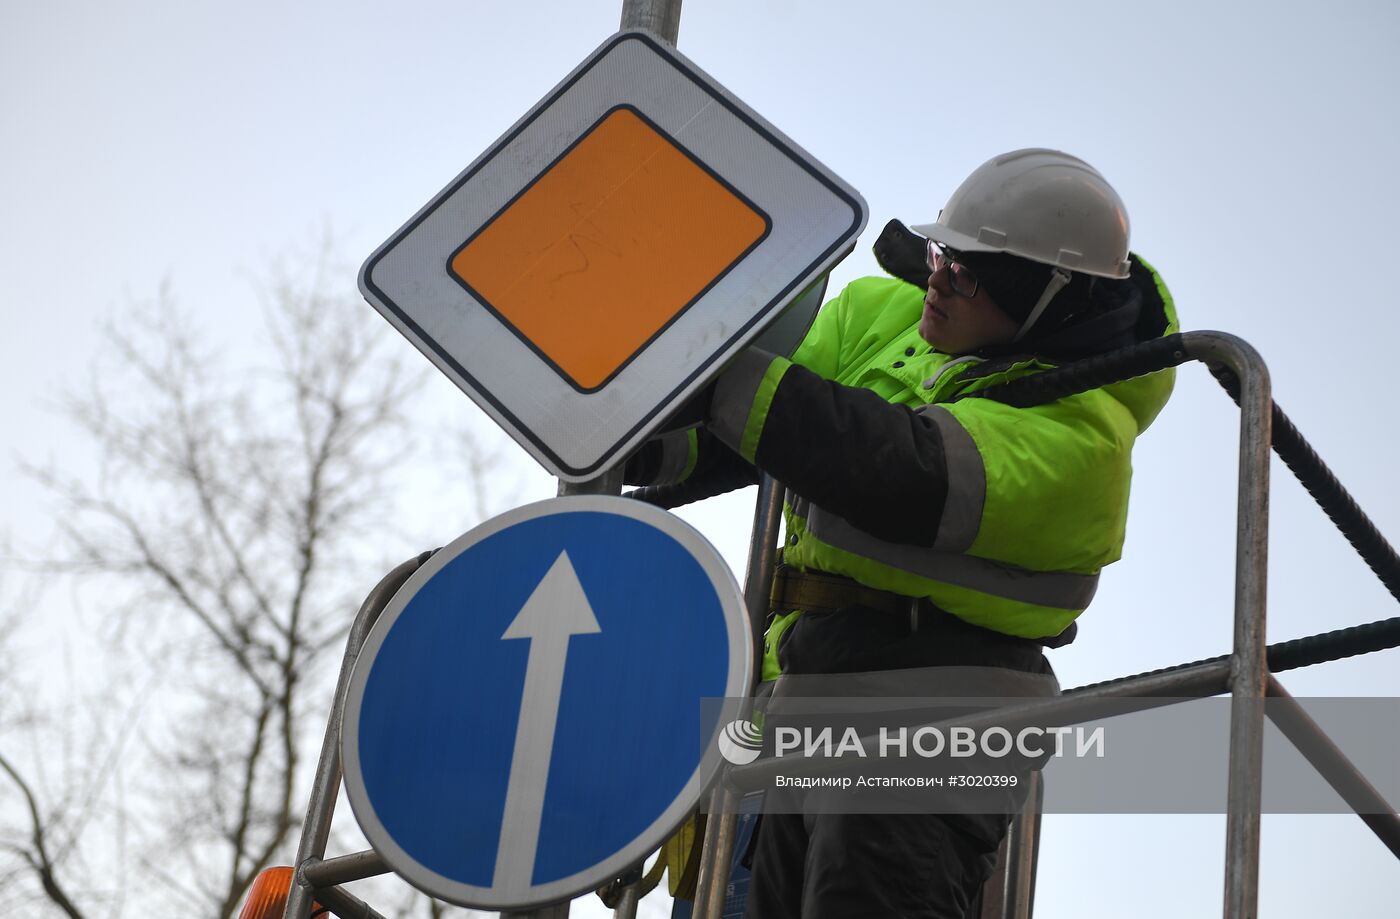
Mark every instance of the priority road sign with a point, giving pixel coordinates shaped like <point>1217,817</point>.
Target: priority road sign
<point>525,720</point>
<point>603,259</point>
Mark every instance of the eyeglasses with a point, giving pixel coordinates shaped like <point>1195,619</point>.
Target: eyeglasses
<point>960,277</point>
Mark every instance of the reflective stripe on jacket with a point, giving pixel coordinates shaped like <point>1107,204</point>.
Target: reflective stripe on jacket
<point>1002,516</point>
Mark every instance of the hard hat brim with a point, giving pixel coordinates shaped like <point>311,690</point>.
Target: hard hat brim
<point>953,239</point>
<point>961,242</point>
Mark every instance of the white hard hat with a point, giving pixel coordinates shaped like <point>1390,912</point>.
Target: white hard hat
<point>1042,205</point>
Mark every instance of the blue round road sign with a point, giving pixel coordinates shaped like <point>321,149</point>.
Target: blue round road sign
<point>525,719</point>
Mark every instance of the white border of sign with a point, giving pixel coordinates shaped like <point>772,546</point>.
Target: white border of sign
<point>646,842</point>
<point>814,219</point>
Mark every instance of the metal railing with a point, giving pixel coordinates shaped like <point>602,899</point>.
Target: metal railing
<point>1245,673</point>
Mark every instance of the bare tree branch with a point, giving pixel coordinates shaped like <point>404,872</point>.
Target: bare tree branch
<point>37,855</point>
<point>234,514</point>
<point>233,505</point>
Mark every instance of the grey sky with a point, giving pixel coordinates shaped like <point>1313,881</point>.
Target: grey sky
<point>1254,143</point>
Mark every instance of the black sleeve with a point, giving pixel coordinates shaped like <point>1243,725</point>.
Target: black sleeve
<point>879,466</point>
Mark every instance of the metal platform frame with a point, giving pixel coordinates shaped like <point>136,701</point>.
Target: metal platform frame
<point>1245,675</point>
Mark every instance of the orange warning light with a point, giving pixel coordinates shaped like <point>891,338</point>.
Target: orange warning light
<point>267,899</point>
<point>608,246</point>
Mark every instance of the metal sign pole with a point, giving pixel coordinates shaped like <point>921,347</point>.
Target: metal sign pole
<point>660,17</point>
<point>609,483</point>
<point>597,386</point>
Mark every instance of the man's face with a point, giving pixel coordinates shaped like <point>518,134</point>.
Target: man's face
<point>957,324</point>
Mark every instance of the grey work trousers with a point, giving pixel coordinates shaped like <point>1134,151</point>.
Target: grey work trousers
<point>851,866</point>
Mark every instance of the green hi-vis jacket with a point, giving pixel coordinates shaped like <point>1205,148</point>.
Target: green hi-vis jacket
<point>1002,516</point>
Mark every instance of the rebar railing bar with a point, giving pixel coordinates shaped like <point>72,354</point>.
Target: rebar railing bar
<point>1334,766</point>
<point>1300,652</point>
<point>343,868</point>
<point>1286,440</point>
<point>1091,373</point>
<point>316,828</point>
<point>1329,493</point>
<point>1335,645</point>
<point>717,850</point>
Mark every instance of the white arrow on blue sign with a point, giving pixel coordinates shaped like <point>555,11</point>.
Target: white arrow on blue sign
<point>525,720</point>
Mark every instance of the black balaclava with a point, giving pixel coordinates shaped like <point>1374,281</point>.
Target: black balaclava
<point>1016,284</point>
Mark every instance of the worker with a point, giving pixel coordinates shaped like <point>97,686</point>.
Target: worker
<point>925,531</point>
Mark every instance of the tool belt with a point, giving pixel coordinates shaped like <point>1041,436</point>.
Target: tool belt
<point>816,592</point>
<point>819,592</point>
